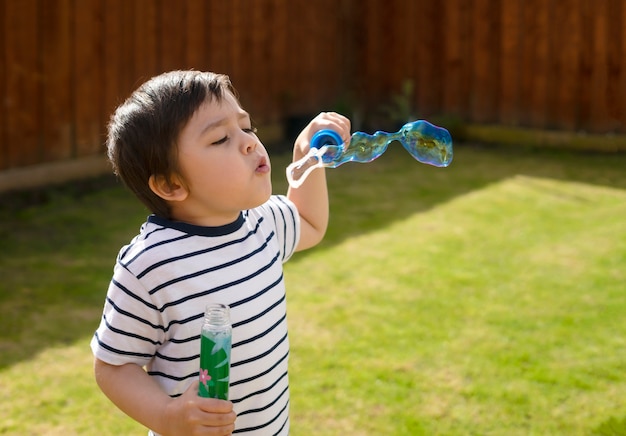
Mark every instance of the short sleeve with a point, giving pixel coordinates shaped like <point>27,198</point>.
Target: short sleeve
<point>131,328</point>
<point>286,220</point>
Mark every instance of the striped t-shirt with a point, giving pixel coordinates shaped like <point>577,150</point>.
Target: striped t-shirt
<point>162,282</point>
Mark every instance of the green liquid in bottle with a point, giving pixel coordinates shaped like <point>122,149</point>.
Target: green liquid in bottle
<point>215,345</point>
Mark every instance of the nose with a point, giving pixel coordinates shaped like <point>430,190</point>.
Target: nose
<point>251,147</point>
<point>249,143</point>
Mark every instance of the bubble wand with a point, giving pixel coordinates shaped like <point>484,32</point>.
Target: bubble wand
<point>424,141</point>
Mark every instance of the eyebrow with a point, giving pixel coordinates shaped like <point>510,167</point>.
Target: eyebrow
<point>220,122</point>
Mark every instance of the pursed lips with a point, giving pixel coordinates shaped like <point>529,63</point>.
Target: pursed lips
<point>263,165</point>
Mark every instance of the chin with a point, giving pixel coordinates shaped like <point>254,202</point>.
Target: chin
<point>261,198</point>
<point>266,197</point>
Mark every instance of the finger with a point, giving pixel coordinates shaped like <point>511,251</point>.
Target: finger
<point>333,121</point>
<point>213,405</point>
<point>217,424</point>
<point>219,431</point>
<point>340,121</point>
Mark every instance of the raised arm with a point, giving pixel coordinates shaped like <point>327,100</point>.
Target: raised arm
<point>311,198</point>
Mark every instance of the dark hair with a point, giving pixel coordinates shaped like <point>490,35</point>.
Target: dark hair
<point>144,130</point>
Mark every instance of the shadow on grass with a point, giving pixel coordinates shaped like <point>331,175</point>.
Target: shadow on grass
<point>611,427</point>
<point>58,248</point>
<point>59,245</point>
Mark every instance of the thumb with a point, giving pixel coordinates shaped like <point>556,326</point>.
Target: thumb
<point>193,388</point>
<point>194,384</point>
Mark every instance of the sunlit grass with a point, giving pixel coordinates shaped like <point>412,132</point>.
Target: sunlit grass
<point>486,298</point>
<point>497,312</point>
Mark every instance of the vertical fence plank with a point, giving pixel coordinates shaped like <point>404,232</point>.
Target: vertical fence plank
<point>88,76</point>
<point>598,120</point>
<point>23,75</point>
<point>351,58</point>
<point>486,63</point>
<point>615,44</point>
<point>148,53</point>
<point>533,83</point>
<point>244,52</point>
<point>263,59</point>
<point>585,61</point>
<point>116,47</point>
<point>256,44</point>
<point>3,89</point>
<point>197,35</point>
<point>305,59</point>
<point>422,58</point>
<point>455,64</point>
<point>370,53</point>
<point>277,14</point>
<point>220,27</point>
<point>172,35</point>
<point>392,30</point>
<point>510,67</point>
<point>563,101</point>
<point>293,94</point>
<point>552,13</point>
<point>355,51</point>
<point>402,53</point>
<point>622,67</point>
<point>57,123</point>
<point>121,73</point>
<point>541,88</point>
<point>327,32</point>
<point>129,71</point>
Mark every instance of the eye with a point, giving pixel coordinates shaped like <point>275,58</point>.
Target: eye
<point>221,141</point>
<point>250,130</point>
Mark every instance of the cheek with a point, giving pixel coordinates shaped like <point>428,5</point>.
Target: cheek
<point>219,176</point>
<point>210,175</point>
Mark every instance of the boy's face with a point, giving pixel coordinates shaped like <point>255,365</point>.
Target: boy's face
<point>224,166</point>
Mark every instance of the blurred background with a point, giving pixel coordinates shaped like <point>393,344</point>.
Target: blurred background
<point>543,66</point>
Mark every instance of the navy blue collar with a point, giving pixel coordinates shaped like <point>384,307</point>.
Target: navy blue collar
<point>199,230</point>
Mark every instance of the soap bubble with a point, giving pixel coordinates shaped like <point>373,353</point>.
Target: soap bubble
<point>424,141</point>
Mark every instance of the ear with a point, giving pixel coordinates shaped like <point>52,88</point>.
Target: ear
<point>172,190</point>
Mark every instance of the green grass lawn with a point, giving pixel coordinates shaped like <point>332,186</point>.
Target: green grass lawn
<point>487,298</point>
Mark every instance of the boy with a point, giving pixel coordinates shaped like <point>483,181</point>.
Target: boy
<point>185,147</point>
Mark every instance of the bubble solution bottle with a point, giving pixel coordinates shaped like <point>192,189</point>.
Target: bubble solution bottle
<point>215,345</point>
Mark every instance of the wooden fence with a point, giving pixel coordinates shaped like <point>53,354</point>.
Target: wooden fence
<point>550,64</point>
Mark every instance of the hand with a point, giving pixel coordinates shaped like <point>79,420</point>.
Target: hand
<point>192,415</point>
<point>311,197</point>
<point>325,120</point>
